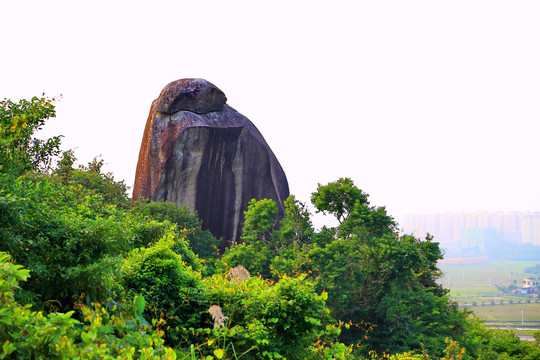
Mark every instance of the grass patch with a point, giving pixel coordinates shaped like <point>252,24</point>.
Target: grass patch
<point>509,313</point>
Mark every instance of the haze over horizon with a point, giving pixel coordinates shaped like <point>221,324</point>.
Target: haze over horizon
<point>427,106</point>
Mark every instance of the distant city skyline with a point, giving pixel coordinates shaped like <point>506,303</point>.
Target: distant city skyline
<point>464,230</point>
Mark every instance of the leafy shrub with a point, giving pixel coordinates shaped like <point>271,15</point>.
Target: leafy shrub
<point>266,320</point>
<point>29,334</point>
<point>201,242</point>
<point>171,287</point>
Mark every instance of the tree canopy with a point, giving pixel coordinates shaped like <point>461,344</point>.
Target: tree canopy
<point>20,151</point>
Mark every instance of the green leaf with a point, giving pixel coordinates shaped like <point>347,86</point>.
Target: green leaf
<point>8,348</point>
<point>324,295</point>
<point>219,353</point>
<point>138,304</point>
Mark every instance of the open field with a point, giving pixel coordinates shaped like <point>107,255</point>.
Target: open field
<point>479,277</point>
<point>475,281</point>
<point>509,313</point>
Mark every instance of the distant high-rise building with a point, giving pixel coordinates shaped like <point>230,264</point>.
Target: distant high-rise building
<point>530,228</point>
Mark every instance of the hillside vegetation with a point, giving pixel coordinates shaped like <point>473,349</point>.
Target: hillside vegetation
<point>87,273</point>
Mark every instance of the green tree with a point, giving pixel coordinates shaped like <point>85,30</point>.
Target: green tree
<point>296,225</point>
<point>271,247</point>
<point>259,240</point>
<point>20,151</point>
<point>351,208</point>
<point>260,222</point>
<point>64,167</point>
<point>338,198</point>
<point>377,277</point>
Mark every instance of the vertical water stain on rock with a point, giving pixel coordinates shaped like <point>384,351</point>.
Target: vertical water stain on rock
<point>199,152</point>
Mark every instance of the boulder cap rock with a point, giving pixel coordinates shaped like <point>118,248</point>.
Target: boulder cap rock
<point>195,95</point>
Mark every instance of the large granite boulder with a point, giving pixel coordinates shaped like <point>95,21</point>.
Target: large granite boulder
<point>199,152</point>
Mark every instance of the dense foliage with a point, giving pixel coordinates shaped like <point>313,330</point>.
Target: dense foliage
<point>87,273</point>
<point>376,279</point>
<point>112,332</point>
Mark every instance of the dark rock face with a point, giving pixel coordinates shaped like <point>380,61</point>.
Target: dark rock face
<point>199,152</point>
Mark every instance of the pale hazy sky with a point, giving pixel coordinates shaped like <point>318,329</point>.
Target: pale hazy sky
<point>427,105</point>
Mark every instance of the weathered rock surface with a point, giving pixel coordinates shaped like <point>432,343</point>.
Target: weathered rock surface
<point>199,152</point>
<point>195,95</point>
